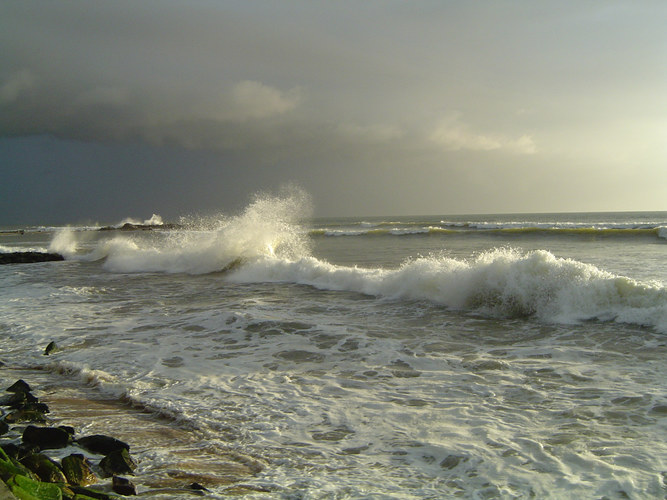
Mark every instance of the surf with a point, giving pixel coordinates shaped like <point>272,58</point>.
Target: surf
<point>266,228</point>
<point>503,282</point>
<point>268,242</point>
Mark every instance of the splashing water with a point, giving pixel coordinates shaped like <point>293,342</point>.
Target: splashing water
<point>266,229</point>
<point>266,243</point>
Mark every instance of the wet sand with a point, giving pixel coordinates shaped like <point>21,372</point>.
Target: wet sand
<point>169,456</point>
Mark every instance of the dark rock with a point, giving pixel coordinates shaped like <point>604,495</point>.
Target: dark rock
<point>68,429</point>
<point>128,226</point>
<point>52,347</point>
<point>67,492</point>
<point>9,469</point>
<point>25,487</point>
<point>10,449</point>
<point>18,400</point>
<point>40,407</point>
<point>10,466</point>
<point>17,416</point>
<point>29,399</point>
<point>46,437</point>
<point>46,469</point>
<point>13,400</point>
<point>103,445</point>
<point>90,493</point>
<point>77,470</point>
<point>4,428</point>
<point>19,386</point>
<point>26,449</point>
<point>452,461</point>
<point>29,257</point>
<point>123,486</point>
<point>197,486</point>
<point>118,462</point>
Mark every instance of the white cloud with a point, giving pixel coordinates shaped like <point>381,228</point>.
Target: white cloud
<point>376,133</point>
<point>452,134</point>
<point>523,145</point>
<point>254,100</point>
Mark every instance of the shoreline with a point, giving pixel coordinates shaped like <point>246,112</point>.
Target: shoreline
<point>172,461</point>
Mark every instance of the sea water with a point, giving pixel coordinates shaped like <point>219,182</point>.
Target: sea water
<point>504,356</point>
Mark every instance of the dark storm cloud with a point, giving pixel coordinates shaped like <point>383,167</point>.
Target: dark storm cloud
<point>197,74</point>
<point>374,106</point>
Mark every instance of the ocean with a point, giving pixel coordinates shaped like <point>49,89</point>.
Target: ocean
<point>479,356</point>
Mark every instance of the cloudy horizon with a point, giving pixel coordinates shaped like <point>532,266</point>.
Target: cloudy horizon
<point>116,109</point>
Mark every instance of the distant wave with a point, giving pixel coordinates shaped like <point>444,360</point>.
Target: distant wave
<point>155,220</point>
<point>611,231</point>
<point>386,231</point>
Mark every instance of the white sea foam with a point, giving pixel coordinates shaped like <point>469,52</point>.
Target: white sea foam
<point>155,220</point>
<point>551,225</point>
<point>265,243</point>
<point>267,228</point>
<point>501,282</point>
<point>388,395</point>
<point>64,242</point>
<point>11,249</point>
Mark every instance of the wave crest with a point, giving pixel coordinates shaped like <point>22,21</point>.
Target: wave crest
<point>268,227</point>
<point>501,282</point>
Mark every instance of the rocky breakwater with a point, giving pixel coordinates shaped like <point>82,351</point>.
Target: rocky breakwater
<point>42,461</point>
<point>41,458</point>
<point>29,257</point>
<point>38,461</point>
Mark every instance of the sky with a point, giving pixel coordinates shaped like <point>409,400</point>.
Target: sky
<point>114,109</point>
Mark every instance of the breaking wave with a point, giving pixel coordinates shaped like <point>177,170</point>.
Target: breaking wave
<point>267,228</point>
<point>501,282</point>
<point>266,243</point>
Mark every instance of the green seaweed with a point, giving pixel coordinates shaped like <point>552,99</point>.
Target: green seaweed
<point>9,468</point>
<point>26,488</point>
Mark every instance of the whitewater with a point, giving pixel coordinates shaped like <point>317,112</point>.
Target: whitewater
<point>399,357</point>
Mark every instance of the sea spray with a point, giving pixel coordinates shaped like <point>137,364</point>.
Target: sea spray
<point>419,389</point>
<point>267,228</point>
<point>64,242</point>
<point>266,243</point>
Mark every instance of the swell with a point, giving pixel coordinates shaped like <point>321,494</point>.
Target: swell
<point>501,283</point>
<point>649,233</point>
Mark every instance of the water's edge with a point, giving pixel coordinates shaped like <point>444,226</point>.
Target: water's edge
<point>169,456</point>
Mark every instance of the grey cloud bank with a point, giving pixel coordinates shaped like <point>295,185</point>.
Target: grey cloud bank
<point>374,107</point>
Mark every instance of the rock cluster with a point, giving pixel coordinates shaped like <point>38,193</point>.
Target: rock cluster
<point>29,471</point>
